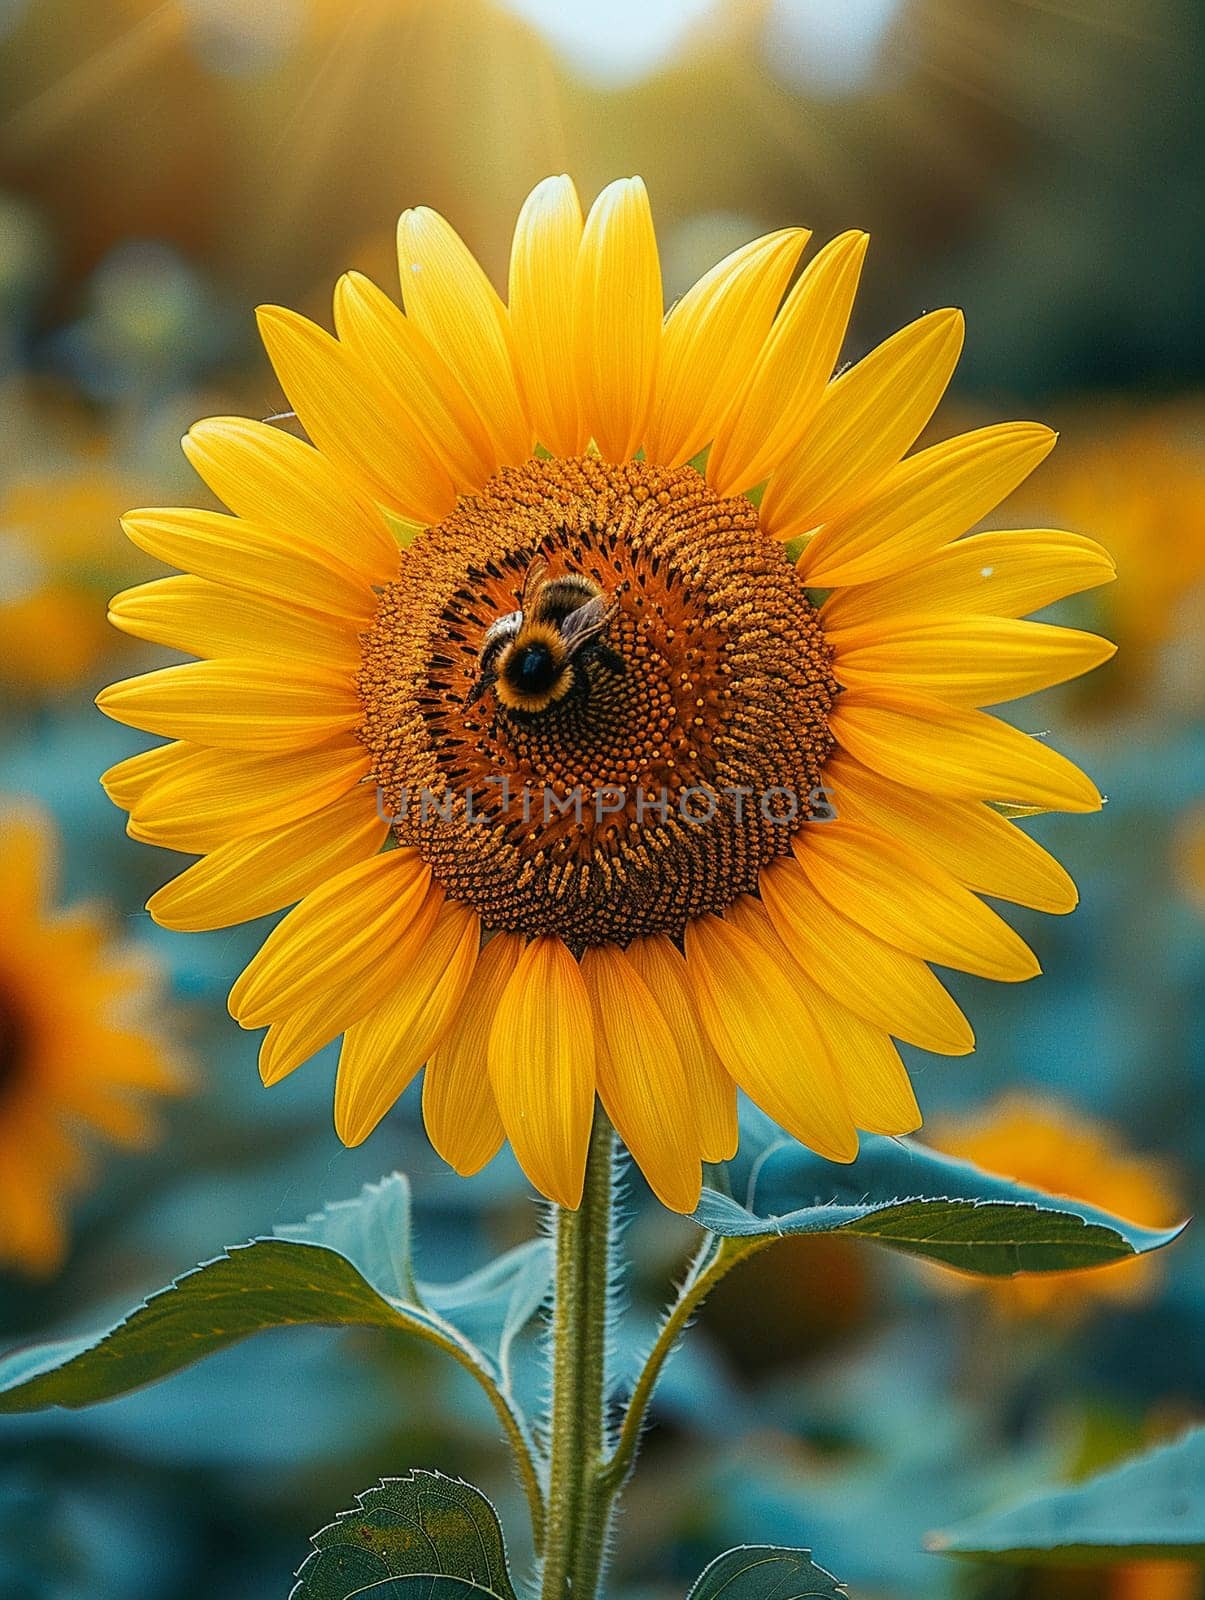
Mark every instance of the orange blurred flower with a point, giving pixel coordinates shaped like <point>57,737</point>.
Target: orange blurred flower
<point>1135,480</point>
<point>58,549</point>
<point>1156,1580</point>
<point>80,1046</point>
<point>1050,1146</point>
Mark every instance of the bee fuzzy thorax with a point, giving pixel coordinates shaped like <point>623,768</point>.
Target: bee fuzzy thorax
<point>558,597</point>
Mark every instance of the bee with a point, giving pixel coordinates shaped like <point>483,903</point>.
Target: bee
<point>536,656</point>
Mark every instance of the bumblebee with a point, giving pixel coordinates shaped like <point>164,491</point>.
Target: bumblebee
<point>534,657</point>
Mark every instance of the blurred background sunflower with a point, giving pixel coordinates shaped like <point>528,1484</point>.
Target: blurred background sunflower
<point>82,1049</point>
<point>167,164</point>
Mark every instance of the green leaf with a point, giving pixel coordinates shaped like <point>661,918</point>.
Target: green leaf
<point>421,1537</point>
<point>913,1199</point>
<point>374,1230</point>
<point>494,1305</point>
<point>267,1284</point>
<point>765,1572</point>
<point>348,1266</point>
<point>421,1586</point>
<point>1151,1506</point>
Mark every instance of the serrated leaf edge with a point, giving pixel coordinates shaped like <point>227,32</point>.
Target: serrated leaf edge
<point>777,1223</point>
<point>412,1476</point>
<point>770,1551</point>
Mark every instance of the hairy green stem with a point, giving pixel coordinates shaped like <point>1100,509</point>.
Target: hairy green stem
<point>579,1501</point>
<point>714,1258</point>
<point>585,1474</point>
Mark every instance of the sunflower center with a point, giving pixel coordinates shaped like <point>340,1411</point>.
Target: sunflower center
<point>633,748</point>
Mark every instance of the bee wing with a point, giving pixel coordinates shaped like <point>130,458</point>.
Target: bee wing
<point>534,579</point>
<point>586,623</point>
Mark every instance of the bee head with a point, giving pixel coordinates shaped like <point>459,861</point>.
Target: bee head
<point>534,669</point>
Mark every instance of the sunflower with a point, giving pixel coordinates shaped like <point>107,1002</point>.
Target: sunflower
<point>1047,1145</point>
<point>601,695</point>
<point>77,1054</point>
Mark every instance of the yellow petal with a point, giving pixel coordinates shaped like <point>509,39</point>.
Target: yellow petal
<point>543,265</point>
<point>966,754</point>
<point>904,899</point>
<point>251,877</point>
<point>784,386</point>
<point>640,1078</point>
<point>420,385</point>
<point>383,1051</point>
<point>866,1064</point>
<point>977,845</point>
<point>340,994</point>
<point>765,1035</point>
<point>868,417</point>
<point>885,985</point>
<point>208,619</point>
<point>244,555</point>
<point>712,1092</point>
<point>236,705</point>
<point>348,415</point>
<point>303,1032</point>
<point>924,502</point>
<point>271,477</point>
<point>208,797</point>
<point>129,780</point>
<point>450,300</point>
<point>965,661</point>
<point>470,1131</point>
<point>876,1086</point>
<point>988,574</point>
<point>541,1066</point>
<point>711,341</point>
<point>459,1110</point>
<point>617,319</point>
<point>300,1035</point>
<point>338,932</point>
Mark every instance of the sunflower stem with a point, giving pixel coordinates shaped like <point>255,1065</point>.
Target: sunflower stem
<point>579,1496</point>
